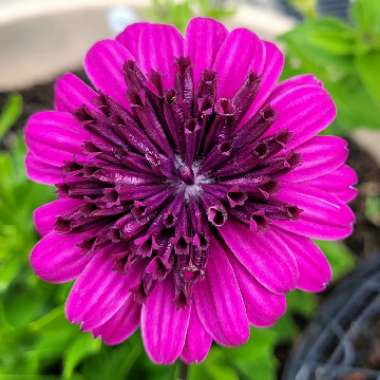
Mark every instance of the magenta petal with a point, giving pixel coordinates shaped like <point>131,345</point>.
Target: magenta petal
<point>240,52</point>
<point>103,65</point>
<point>41,172</point>
<point>219,302</point>
<point>45,216</point>
<point>315,271</point>
<point>57,258</point>
<point>323,216</point>
<point>158,47</point>
<point>264,308</point>
<point>296,81</point>
<point>346,195</point>
<point>309,228</point>
<point>163,324</point>
<point>274,64</point>
<point>319,156</point>
<point>198,341</point>
<point>54,137</point>
<point>70,93</point>
<point>316,203</point>
<point>99,292</point>
<point>303,110</point>
<point>130,36</point>
<point>340,179</point>
<point>338,183</point>
<point>121,325</point>
<point>204,36</point>
<point>260,251</point>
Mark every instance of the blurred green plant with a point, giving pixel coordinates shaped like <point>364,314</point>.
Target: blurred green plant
<point>372,209</point>
<point>346,57</point>
<point>12,111</point>
<point>179,12</point>
<point>306,7</point>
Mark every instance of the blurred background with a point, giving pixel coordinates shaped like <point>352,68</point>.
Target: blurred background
<point>334,335</point>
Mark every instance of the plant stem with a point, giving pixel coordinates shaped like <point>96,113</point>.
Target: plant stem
<point>183,371</point>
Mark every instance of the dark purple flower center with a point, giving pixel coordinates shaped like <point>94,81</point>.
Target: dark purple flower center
<point>157,180</point>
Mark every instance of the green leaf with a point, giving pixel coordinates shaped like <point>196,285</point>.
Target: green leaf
<point>306,7</point>
<point>84,345</point>
<point>332,36</point>
<point>252,361</point>
<point>301,303</point>
<point>216,366</point>
<point>368,66</point>
<point>10,267</point>
<point>180,12</point>
<point>21,306</point>
<point>11,112</point>
<point>305,56</point>
<point>340,56</point>
<point>220,372</point>
<point>255,360</point>
<point>356,108</point>
<point>53,336</point>
<point>127,361</point>
<point>285,329</point>
<point>340,257</point>
<point>328,37</point>
<point>366,14</point>
<point>372,209</point>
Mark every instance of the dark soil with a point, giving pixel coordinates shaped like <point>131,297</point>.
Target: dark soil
<point>365,240</point>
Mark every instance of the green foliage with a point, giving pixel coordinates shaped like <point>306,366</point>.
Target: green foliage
<point>346,58</point>
<point>372,209</point>
<point>180,12</point>
<point>254,360</point>
<point>340,257</point>
<point>366,14</point>
<point>367,66</point>
<point>10,114</point>
<point>305,7</point>
<point>18,198</point>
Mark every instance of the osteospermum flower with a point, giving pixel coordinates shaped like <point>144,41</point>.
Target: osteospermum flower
<point>190,184</point>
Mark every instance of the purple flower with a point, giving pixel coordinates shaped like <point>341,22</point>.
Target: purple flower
<point>189,186</point>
